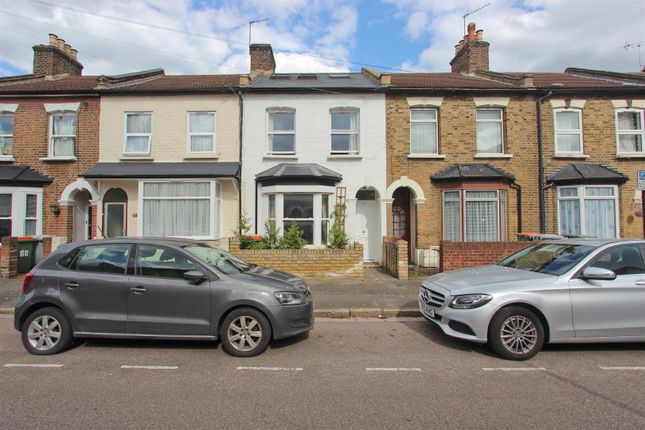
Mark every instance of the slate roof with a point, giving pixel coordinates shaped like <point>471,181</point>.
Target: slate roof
<point>304,81</point>
<point>472,172</point>
<point>22,175</point>
<point>163,170</point>
<point>444,81</point>
<point>299,171</point>
<point>39,84</point>
<point>584,173</point>
<point>175,83</point>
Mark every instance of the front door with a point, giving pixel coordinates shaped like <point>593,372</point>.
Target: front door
<point>161,301</point>
<point>114,219</point>
<point>81,216</point>
<point>367,227</point>
<point>611,308</point>
<point>401,216</point>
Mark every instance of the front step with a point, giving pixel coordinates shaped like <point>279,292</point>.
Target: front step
<point>371,264</point>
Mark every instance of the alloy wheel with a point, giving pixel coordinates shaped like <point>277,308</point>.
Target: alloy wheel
<point>44,333</point>
<point>519,334</point>
<point>244,333</point>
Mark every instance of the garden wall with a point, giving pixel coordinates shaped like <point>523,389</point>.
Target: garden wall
<point>395,257</point>
<point>306,262</point>
<point>457,255</point>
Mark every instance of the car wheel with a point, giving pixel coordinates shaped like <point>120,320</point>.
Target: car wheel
<point>46,331</point>
<point>516,333</point>
<point>245,332</point>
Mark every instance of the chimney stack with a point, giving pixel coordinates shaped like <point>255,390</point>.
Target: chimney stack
<point>56,58</point>
<point>262,60</point>
<point>471,53</point>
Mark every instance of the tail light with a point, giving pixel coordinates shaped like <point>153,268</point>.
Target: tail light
<point>26,282</point>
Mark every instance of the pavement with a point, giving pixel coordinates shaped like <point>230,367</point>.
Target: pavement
<point>377,295</point>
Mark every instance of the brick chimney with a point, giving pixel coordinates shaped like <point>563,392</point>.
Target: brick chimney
<point>471,53</point>
<point>57,58</point>
<point>262,61</point>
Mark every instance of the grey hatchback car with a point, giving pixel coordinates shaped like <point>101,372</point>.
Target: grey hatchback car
<point>560,291</point>
<point>158,289</point>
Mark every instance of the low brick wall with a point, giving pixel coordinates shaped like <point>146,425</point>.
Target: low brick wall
<point>395,257</point>
<point>457,255</point>
<point>307,263</point>
<point>9,255</point>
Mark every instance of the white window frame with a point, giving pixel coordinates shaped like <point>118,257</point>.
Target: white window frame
<point>269,132</point>
<point>581,197</point>
<point>126,134</point>
<point>356,132</point>
<point>578,132</point>
<point>499,121</point>
<point>436,128</point>
<point>215,205</point>
<point>502,210</point>
<point>51,134</point>
<point>190,133</point>
<point>640,132</point>
<point>11,115</point>
<point>19,209</point>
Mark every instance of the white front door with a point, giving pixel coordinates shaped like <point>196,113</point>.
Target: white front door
<point>81,220</point>
<point>114,219</point>
<point>367,227</point>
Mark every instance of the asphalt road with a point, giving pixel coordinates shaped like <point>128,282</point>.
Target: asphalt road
<point>347,374</point>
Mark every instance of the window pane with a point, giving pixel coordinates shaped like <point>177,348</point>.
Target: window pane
<point>423,114</point>
<point>63,146</point>
<point>30,227</point>
<point>599,191</point>
<point>162,262</point>
<point>5,205</point>
<point>451,195</point>
<point>64,125</point>
<point>307,228</point>
<point>325,206</point>
<point>481,221</point>
<point>324,229</point>
<point>139,123</point>
<point>5,227</point>
<point>104,259</point>
<point>630,142</point>
<point>600,219</point>
<point>176,189</point>
<point>201,143</point>
<point>271,206</point>
<point>298,206</point>
<point>568,192</point>
<point>489,114</point>
<point>489,137</point>
<point>30,207</point>
<point>424,138</point>
<point>629,121</point>
<point>452,218</point>
<point>481,195</point>
<point>184,218</point>
<point>136,144</point>
<point>622,260</point>
<point>567,120</point>
<point>569,212</point>
<point>503,209</point>
<point>340,142</point>
<point>281,121</point>
<point>115,217</point>
<point>282,143</point>
<point>6,125</point>
<point>568,142</point>
<point>344,121</point>
<point>202,122</point>
<point>6,145</point>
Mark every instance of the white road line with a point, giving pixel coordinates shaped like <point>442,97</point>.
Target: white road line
<point>513,369</point>
<point>288,369</point>
<point>126,366</point>
<point>622,367</point>
<point>393,369</point>
<point>32,365</point>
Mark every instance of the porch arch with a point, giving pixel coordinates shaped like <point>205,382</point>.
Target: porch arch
<point>405,182</point>
<point>67,196</point>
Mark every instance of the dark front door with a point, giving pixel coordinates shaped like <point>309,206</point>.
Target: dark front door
<point>161,301</point>
<point>401,216</point>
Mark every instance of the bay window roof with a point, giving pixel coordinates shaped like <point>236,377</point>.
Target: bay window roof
<point>586,173</point>
<point>298,173</point>
<point>22,176</point>
<point>472,172</point>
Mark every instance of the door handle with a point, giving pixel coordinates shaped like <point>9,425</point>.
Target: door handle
<point>138,290</point>
<point>71,285</point>
<point>640,283</point>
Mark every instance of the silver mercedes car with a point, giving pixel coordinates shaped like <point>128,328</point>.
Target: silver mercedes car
<point>584,291</point>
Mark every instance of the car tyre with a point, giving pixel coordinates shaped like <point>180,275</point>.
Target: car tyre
<point>245,332</point>
<point>516,333</point>
<point>47,331</point>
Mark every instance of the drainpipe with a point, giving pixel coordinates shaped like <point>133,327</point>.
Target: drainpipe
<point>256,207</point>
<point>239,175</point>
<point>518,188</point>
<point>541,161</point>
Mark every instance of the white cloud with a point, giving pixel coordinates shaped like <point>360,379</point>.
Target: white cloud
<point>417,24</point>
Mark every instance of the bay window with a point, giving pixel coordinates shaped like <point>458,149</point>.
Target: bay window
<point>475,215</point>
<point>20,211</point>
<point>588,210</point>
<point>299,209</point>
<point>6,135</point>
<point>568,131</point>
<point>629,131</point>
<point>201,132</point>
<point>138,133</point>
<point>423,131</point>
<point>490,131</point>
<point>281,134</point>
<point>62,134</point>
<point>180,208</point>
<point>5,215</point>
<point>344,132</point>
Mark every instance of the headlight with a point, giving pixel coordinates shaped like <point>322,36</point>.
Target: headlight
<point>470,301</point>
<point>290,298</point>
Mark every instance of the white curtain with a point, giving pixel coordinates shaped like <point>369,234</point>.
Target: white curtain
<point>489,131</point>
<point>202,123</point>
<point>452,216</point>
<point>569,217</point>
<point>481,216</point>
<point>63,135</point>
<point>568,120</point>
<point>182,214</point>
<point>600,214</point>
<point>138,124</point>
<point>631,123</point>
<point>424,137</point>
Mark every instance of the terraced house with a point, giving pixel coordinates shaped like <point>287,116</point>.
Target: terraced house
<point>480,156</point>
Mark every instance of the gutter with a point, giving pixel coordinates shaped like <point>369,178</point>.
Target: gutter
<point>541,161</point>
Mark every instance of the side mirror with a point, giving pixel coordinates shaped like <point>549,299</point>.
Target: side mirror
<point>598,273</point>
<point>194,276</point>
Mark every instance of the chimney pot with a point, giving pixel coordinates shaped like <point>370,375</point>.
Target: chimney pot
<point>479,35</point>
<point>74,53</point>
<point>60,44</point>
<point>53,39</point>
<point>68,49</point>
<point>471,32</point>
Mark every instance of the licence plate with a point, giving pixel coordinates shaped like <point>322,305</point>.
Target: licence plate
<point>427,310</point>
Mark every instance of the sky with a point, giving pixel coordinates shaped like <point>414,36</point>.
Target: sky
<point>211,36</point>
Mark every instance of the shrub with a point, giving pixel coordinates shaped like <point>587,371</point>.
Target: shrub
<point>292,238</point>
<point>271,240</point>
<point>337,236</point>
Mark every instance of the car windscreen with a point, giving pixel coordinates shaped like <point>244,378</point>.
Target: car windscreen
<point>220,260</point>
<point>549,258</point>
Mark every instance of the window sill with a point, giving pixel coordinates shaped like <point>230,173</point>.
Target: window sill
<point>280,156</point>
<point>204,156</point>
<point>136,158</point>
<point>631,155</point>
<point>7,159</point>
<point>72,158</point>
<point>570,155</point>
<point>493,155</point>
<point>429,156</point>
<point>344,156</point>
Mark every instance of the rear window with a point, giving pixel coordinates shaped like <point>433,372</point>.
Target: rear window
<point>110,258</point>
<point>549,258</point>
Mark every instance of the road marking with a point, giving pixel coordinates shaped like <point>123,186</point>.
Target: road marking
<point>288,369</point>
<point>32,365</point>
<point>622,367</point>
<point>127,366</point>
<point>393,369</point>
<point>513,369</point>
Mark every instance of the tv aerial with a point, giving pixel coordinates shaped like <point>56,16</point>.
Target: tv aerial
<point>467,14</point>
<point>255,21</point>
<point>636,45</point>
